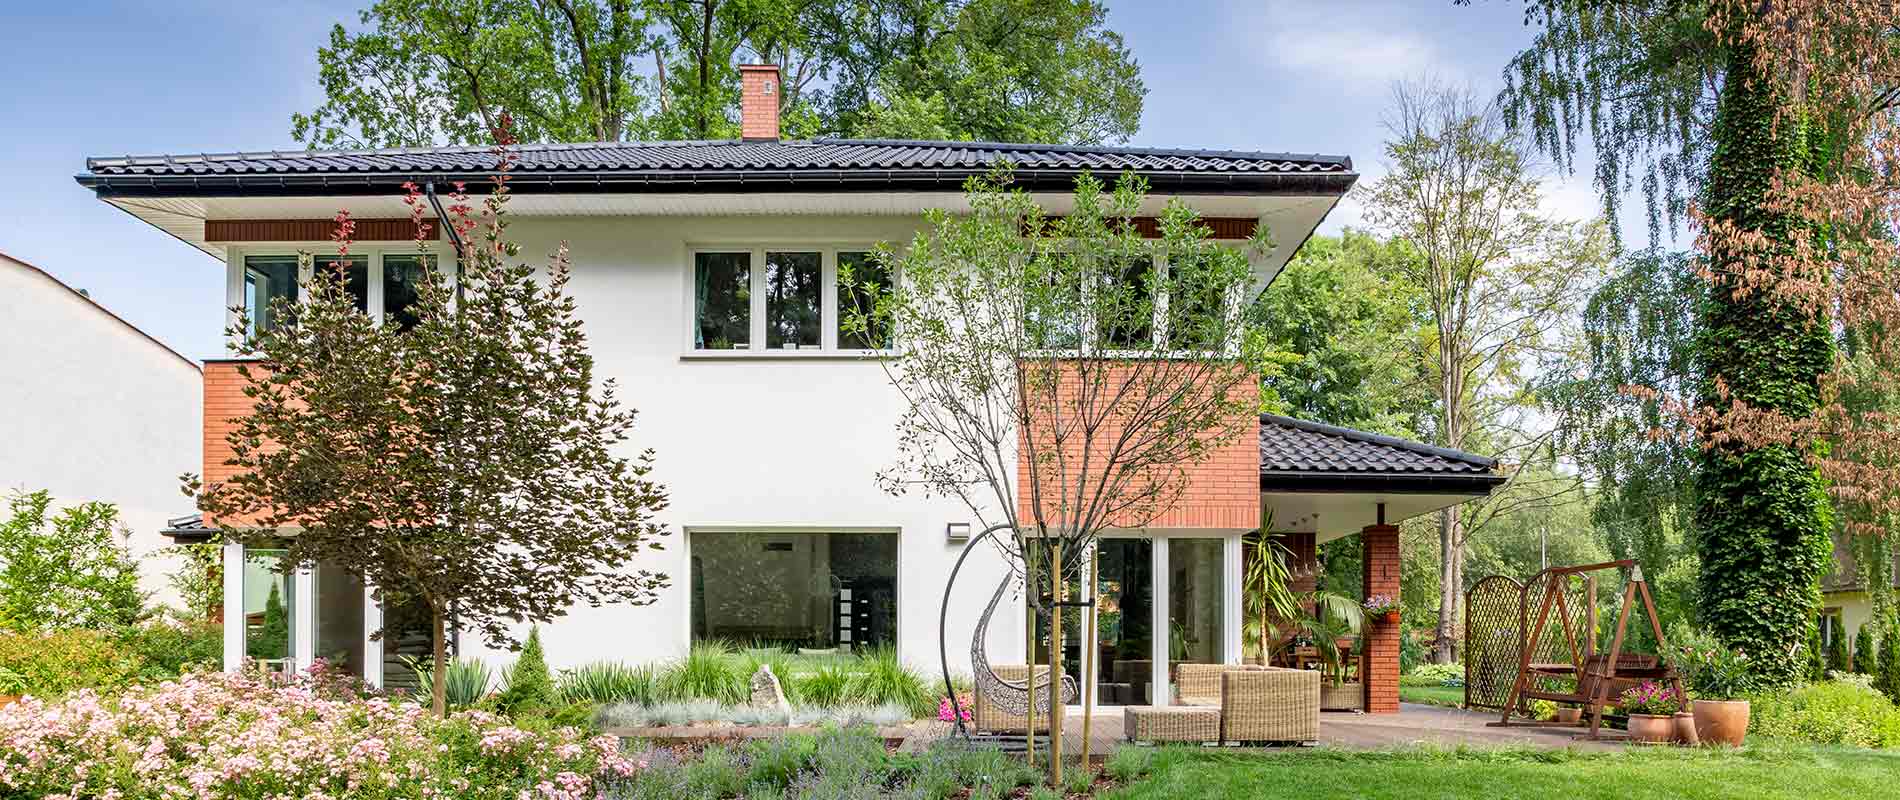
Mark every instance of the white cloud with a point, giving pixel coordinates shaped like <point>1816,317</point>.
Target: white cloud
<point>1357,45</point>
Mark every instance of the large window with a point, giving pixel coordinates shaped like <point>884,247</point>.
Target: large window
<point>869,278</point>
<point>794,300</point>
<point>1197,598</point>
<point>722,301</point>
<point>382,284</point>
<point>402,277</point>
<point>806,591</point>
<point>775,300</point>
<point>268,279</point>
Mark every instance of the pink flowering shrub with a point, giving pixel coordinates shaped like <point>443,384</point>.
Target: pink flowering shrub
<point>215,736</point>
<point>947,712</point>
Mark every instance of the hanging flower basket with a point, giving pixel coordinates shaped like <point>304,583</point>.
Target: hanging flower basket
<point>1384,608</point>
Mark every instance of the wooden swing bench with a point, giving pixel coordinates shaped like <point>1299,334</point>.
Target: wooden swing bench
<point>1598,678</point>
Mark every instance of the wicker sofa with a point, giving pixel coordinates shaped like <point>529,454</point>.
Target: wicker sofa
<point>1233,703</point>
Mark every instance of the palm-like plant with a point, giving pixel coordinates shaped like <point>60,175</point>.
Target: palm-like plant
<point>1335,616</point>
<point>1266,595</point>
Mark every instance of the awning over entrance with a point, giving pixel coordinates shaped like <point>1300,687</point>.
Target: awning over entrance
<point>1330,481</point>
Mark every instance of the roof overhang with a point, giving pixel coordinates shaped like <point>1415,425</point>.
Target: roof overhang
<point>1288,218</point>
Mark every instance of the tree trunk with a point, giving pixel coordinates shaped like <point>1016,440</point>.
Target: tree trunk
<point>1056,584</point>
<point>438,683</point>
<point>1450,579</point>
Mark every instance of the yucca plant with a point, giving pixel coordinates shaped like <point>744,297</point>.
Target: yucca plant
<point>708,672</point>
<point>465,681</point>
<point>883,679</point>
<point>608,682</point>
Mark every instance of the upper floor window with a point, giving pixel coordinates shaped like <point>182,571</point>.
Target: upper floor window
<point>266,279</point>
<point>779,299</point>
<point>384,285</point>
<point>869,278</point>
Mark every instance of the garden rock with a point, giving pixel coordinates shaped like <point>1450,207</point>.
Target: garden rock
<point>766,691</point>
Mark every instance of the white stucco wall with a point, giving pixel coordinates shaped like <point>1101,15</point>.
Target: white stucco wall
<point>746,443</point>
<point>92,409</point>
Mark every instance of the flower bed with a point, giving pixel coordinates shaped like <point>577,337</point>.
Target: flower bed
<point>252,736</point>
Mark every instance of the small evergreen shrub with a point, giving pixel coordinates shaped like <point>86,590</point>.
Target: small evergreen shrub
<point>1831,712</point>
<point>1888,676</point>
<point>530,686</point>
<point>1866,650</point>
<point>1837,652</point>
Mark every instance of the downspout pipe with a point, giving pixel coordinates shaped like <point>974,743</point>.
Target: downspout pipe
<point>455,238</point>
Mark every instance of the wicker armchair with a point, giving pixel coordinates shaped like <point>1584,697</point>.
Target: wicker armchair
<point>988,718</point>
<point>1269,705</point>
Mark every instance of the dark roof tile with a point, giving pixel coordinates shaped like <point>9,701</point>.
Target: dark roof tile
<point>1294,446</point>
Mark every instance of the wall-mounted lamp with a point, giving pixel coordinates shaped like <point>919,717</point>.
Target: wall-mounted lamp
<point>957,531</point>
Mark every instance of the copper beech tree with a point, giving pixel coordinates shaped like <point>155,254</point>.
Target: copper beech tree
<point>1061,375</point>
<point>471,464</point>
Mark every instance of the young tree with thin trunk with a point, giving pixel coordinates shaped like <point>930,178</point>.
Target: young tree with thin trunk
<point>1062,375</point>
<point>1499,282</point>
<point>471,463</point>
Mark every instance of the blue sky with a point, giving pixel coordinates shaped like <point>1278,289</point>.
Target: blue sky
<point>190,76</point>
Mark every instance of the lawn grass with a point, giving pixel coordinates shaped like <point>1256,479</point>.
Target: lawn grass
<point>1453,696</point>
<point>1760,771</point>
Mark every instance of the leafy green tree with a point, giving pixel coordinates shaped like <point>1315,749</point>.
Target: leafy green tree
<point>1342,309</point>
<point>417,72</point>
<point>1010,366</point>
<point>71,570</point>
<point>471,464</point>
<point>1499,283</point>
<point>1867,649</point>
<point>1637,79</point>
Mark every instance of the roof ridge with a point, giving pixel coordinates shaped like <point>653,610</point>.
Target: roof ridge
<point>1369,437</point>
<point>1264,155</point>
<point>280,155</point>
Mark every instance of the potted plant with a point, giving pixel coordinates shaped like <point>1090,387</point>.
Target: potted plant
<point>1719,681</point>
<point>1652,711</point>
<point>1336,618</point>
<point>1383,607</point>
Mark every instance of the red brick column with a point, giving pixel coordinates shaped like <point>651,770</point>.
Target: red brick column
<point>1380,639</point>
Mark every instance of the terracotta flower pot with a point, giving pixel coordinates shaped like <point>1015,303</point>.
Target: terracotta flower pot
<point>1390,617</point>
<point>1569,715</point>
<point>8,699</point>
<point>1652,729</point>
<point>1721,721</point>
<point>1685,729</point>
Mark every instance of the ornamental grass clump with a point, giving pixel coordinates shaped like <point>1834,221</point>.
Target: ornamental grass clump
<point>215,736</point>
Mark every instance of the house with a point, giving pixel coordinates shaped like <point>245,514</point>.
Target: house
<point>1846,607</point>
<point>768,441</point>
<point>94,409</point>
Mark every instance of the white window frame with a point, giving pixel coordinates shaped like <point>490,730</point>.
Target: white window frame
<point>756,348</point>
<point>320,253</point>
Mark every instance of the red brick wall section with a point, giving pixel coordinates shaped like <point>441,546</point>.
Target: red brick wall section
<point>224,403</point>
<point>1381,638</point>
<point>759,93</point>
<point>1221,492</point>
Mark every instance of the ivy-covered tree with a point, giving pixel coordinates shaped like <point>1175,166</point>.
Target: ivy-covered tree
<point>472,463</point>
<point>68,569</point>
<point>418,72</point>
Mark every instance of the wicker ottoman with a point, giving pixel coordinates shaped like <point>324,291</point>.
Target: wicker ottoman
<point>1171,723</point>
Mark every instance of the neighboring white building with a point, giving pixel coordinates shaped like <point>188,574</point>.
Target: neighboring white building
<point>768,440</point>
<point>92,408</point>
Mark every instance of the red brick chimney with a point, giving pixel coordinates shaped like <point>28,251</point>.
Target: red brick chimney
<point>758,102</point>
